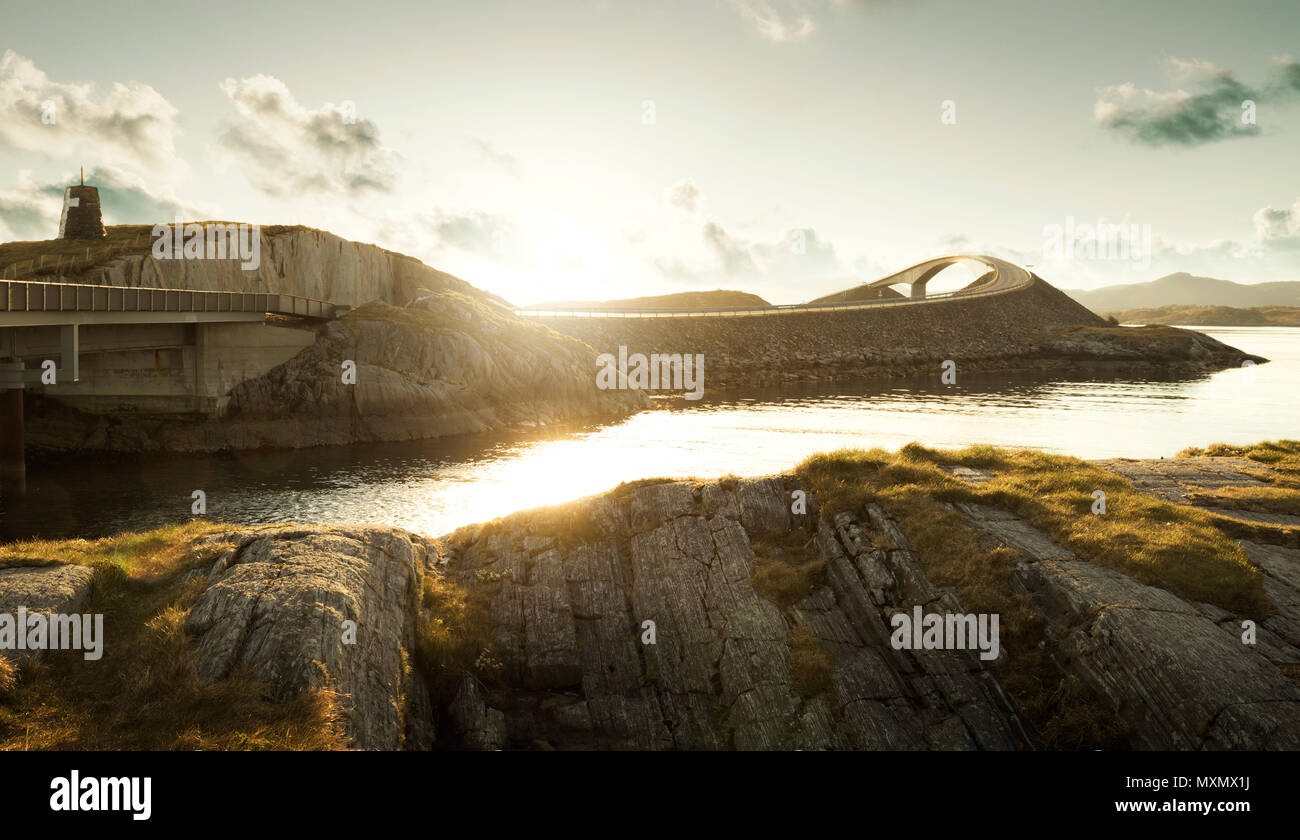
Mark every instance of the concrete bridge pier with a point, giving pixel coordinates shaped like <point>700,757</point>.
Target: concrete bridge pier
<point>13,465</point>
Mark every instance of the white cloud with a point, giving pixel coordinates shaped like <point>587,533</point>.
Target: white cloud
<point>287,150</point>
<point>131,123</point>
<point>791,23</point>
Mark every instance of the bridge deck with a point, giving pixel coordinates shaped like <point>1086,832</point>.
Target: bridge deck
<point>24,303</point>
<point>1007,277</point>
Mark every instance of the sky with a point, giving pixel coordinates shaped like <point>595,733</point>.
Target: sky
<point>597,150</point>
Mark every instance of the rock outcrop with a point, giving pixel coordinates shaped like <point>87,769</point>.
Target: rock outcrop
<point>59,588</point>
<point>321,608</point>
<point>296,261</point>
<point>646,618</point>
<point>1037,328</point>
<point>447,364</point>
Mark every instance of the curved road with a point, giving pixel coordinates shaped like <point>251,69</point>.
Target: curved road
<point>1007,277</point>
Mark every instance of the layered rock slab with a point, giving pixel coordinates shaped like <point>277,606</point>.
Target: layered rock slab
<point>277,604</point>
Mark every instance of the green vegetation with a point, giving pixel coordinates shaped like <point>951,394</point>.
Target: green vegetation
<point>79,260</point>
<point>786,567</point>
<point>1280,455</point>
<point>145,693</point>
<point>1174,547</point>
<point>1280,460</point>
<point>454,637</point>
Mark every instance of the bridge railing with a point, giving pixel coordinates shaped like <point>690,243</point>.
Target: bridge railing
<point>745,311</point>
<point>30,296</point>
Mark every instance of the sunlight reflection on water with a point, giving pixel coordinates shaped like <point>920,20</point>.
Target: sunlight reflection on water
<point>434,486</point>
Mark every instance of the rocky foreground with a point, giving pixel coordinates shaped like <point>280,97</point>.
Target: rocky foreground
<point>770,628</point>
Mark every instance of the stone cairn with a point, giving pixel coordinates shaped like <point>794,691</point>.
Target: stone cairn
<point>81,217</point>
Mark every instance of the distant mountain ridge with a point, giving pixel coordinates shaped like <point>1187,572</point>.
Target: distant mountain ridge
<point>1183,289</point>
<point>1213,316</point>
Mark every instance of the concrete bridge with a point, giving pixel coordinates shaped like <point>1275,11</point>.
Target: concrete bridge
<point>1005,277</point>
<point>175,351</point>
<point>138,349</point>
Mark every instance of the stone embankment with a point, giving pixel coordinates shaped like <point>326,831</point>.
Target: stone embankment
<point>1037,328</point>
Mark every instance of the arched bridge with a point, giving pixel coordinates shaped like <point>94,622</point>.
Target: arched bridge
<point>1004,277</point>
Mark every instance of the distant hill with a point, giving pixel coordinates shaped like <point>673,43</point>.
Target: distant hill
<point>1213,316</point>
<point>680,300</point>
<point>1183,289</point>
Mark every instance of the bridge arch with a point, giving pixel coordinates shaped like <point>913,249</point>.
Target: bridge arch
<point>917,276</point>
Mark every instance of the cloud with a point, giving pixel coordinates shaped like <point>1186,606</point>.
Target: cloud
<point>30,210</point>
<point>785,21</point>
<point>287,150</point>
<point>1278,229</point>
<point>131,123</point>
<point>1177,117</point>
<point>684,195</point>
<point>1286,80</point>
<point>733,253</point>
<point>798,257</point>
<point>504,161</point>
<point>791,23</point>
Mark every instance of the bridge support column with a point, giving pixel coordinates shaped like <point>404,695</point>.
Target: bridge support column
<point>200,368</point>
<point>70,348</point>
<point>13,465</point>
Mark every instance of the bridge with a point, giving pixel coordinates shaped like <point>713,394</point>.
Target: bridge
<point>1006,277</point>
<point>179,351</point>
<point>169,350</point>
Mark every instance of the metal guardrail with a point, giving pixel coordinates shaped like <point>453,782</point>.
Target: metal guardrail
<point>30,296</point>
<point>742,311</point>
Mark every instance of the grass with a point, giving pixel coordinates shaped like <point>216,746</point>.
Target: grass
<point>1065,713</point>
<point>144,693</point>
<point>1281,459</point>
<point>454,637</point>
<point>1174,547</point>
<point>119,241</point>
<point>786,567</point>
<point>1171,546</point>
<point>1284,500</point>
<point>812,671</point>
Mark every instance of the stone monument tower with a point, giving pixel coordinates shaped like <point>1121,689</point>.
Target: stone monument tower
<point>81,218</point>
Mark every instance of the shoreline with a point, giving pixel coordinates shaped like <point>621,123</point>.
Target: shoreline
<point>524,632</point>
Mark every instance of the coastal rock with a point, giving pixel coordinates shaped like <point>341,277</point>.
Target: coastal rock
<point>278,605</point>
<point>1165,665</point>
<point>61,588</point>
<point>446,365</point>
<point>728,667</point>
<point>649,618</point>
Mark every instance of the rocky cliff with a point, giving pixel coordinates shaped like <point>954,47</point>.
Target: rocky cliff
<point>294,261</point>
<point>727,615</point>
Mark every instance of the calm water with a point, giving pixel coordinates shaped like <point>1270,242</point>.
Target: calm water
<point>433,487</point>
